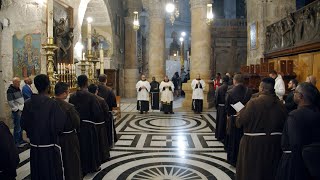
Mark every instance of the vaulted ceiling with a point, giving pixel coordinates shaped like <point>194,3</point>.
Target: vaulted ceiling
<point>98,10</point>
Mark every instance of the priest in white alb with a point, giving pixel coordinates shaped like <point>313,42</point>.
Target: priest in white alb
<point>197,86</point>
<point>143,89</point>
<point>166,88</point>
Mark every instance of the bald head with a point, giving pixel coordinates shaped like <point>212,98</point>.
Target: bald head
<point>311,79</point>
<point>16,82</point>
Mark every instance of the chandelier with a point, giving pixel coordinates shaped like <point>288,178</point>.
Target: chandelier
<point>210,15</point>
<point>136,24</point>
<point>172,8</point>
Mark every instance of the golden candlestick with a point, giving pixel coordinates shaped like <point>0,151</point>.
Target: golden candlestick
<point>95,61</point>
<point>83,64</point>
<point>50,47</point>
<point>90,57</point>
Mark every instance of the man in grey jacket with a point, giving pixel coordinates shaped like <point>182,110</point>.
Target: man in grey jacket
<point>16,102</point>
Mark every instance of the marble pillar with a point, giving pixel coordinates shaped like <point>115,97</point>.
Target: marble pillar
<point>156,37</point>
<point>2,88</point>
<point>131,72</point>
<point>200,50</point>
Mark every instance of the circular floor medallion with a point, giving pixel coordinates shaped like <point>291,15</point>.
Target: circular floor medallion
<point>168,122</point>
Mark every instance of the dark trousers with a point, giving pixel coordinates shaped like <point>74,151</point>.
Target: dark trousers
<point>17,131</point>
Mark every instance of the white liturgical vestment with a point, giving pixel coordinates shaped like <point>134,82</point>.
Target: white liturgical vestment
<point>166,94</point>
<point>197,91</point>
<point>143,95</point>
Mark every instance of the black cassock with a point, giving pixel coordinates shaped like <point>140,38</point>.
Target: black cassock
<point>234,134</point>
<point>221,122</point>
<point>102,129</point>
<point>154,91</point>
<point>9,158</point>
<point>69,142</point>
<point>43,120</point>
<point>301,129</point>
<point>90,113</point>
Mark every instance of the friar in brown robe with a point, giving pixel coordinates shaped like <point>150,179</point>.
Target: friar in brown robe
<point>262,120</point>
<point>90,114</point>
<point>101,127</point>
<point>68,140</point>
<point>239,93</point>
<point>110,98</point>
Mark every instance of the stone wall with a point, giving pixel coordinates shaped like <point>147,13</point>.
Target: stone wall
<point>229,44</point>
<point>264,13</point>
<point>29,16</point>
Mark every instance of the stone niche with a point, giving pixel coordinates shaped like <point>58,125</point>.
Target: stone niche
<point>229,45</point>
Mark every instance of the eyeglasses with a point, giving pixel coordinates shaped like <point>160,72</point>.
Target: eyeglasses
<point>298,92</point>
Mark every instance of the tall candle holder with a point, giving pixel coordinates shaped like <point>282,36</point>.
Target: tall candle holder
<point>95,60</point>
<point>83,64</point>
<point>50,47</point>
<point>90,58</point>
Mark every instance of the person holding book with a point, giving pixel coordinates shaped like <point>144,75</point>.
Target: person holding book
<point>262,120</point>
<point>239,94</point>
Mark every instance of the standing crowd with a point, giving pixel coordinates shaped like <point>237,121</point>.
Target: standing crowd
<point>69,137</point>
<point>265,135</point>
<point>164,92</point>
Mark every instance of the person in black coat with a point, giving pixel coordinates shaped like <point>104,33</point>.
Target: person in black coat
<point>301,129</point>
<point>239,93</point>
<point>9,158</point>
<point>289,102</point>
<point>219,100</point>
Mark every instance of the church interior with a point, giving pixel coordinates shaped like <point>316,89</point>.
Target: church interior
<point>178,38</point>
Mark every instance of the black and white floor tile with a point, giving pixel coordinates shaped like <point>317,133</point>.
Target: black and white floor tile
<point>155,146</point>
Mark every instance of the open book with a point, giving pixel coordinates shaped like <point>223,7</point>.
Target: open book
<point>238,106</point>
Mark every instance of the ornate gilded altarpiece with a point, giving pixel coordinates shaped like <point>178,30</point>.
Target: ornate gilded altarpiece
<point>63,32</point>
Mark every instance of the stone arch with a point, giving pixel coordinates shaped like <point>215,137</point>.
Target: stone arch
<point>102,25</point>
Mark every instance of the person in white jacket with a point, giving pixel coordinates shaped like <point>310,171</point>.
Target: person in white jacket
<point>279,86</point>
<point>166,89</point>
<point>197,86</point>
<point>143,89</point>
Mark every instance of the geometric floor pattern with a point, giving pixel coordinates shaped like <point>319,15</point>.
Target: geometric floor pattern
<point>156,146</point>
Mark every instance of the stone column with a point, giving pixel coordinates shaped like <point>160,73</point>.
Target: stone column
<point>200,49</point>
<point>156,66</point>
<point>131,72</point>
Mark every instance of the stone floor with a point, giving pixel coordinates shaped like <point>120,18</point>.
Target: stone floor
<point>156,146</point>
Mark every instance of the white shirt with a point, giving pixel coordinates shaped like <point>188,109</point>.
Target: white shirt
<point>197,92</point>
<point>166,94</point>
<point>143,94</point>
<point>279,87</point>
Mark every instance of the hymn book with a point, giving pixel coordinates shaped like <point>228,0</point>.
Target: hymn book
<point>238,106</point>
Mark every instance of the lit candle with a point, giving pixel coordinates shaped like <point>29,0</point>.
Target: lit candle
<point>83,56</point>
<point>64,68</point>
<point>59,68</point>
<point>89,20</point>
<point>50,18</point>
<point>101,61</point>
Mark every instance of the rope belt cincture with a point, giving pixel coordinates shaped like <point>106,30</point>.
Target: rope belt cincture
<point>52,145</point>
<point>69,132</point>
<point>262,134</point>
<point>87,121</point>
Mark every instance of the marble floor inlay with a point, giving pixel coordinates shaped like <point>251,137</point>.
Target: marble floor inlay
<point>156,146</point>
